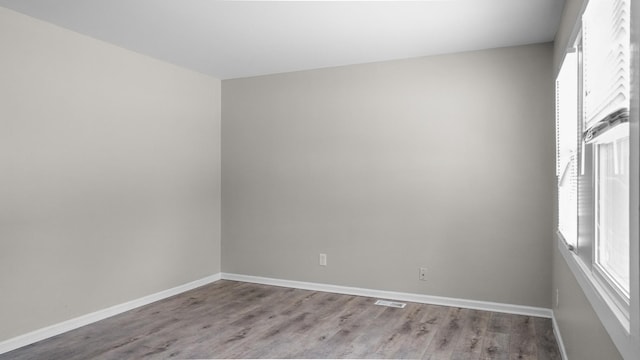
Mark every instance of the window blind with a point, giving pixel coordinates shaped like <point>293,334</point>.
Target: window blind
<point>606,39</point>
<point>567,148</point>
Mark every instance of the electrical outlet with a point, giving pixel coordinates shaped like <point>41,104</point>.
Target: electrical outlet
<point>323,259</point>
<point>423,274</point>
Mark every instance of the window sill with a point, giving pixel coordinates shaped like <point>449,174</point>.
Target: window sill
<point>613,319</point>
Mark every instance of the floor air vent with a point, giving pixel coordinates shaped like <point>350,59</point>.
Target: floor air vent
<point>391,304</point>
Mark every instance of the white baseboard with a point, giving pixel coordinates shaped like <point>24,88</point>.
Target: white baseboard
<point>56,329</point>
<point>556,332</point>
<point>391,295</point>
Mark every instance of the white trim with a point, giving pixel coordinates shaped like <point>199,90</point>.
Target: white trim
<point>399,296</point>
<point>556,332</point>
<point>59,328</point>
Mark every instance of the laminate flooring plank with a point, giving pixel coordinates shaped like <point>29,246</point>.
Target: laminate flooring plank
<point>495,346</point>
<point>263,333</point>
<point>545,340</point>
<point>336,343</point>
<point>418,341</point>
<point>500,323</point>
<point>522,343</point>
<point>364,345</point>
<point>322,309</point>
<point>457,355</point>
<point>183,327</point>
<point>410,318</point>
<point>412,335</point>
<point>218,338</point>
<point>299,331</point>
<point>241,334</point>
<point>186,330</point>
<point>470,345</point>
<point>447,337</point>
<point>241,316</point>
<point>251,335</point>
<point>394,331</point>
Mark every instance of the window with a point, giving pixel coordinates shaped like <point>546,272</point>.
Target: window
<point>606,41</point>
<point>595,168</point>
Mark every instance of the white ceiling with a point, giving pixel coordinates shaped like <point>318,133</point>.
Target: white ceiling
<point>230,39</point>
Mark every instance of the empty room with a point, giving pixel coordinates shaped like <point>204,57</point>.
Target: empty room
<point>438,179</point>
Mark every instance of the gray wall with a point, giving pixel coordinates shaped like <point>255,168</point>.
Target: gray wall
<point>442,161</point>
<point>570,15</point>
<point>582,332</point>
<point>109,175</point>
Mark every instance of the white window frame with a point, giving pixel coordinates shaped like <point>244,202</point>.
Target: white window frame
<point>622,323</point>
<point>614,291</point>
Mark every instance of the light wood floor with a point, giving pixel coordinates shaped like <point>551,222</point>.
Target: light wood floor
<point>230,319</point>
